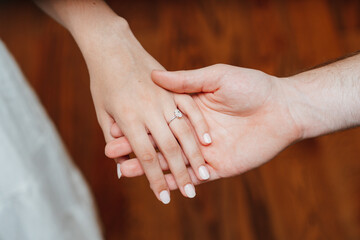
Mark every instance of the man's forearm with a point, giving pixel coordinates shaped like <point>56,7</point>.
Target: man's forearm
<point>326,99</point>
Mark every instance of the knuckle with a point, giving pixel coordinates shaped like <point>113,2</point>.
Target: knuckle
<point>147,158</point>
<point>126,113</point>
<point>172,148</point>
<point>129,116</point>
<point>109,150</point>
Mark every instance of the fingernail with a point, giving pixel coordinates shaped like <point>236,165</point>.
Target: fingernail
<point>118,170</point>
<point>190,190</point>
<point>165,197</point>
<point>207,138</point>
<point>204,173</point>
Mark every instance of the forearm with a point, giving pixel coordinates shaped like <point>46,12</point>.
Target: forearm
<point>326,99</point>
<point>98,31</point>
<point>77,15</point>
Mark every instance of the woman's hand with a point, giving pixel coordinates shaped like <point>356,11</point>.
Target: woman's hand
<point>123,92</point>
<point>247,112</point>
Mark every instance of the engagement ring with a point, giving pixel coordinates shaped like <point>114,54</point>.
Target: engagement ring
<point>177,114</point>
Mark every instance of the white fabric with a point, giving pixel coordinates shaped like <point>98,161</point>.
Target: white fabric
<point>42,194</point>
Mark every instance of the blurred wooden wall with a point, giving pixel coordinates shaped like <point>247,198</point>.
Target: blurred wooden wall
<point>310,191</point>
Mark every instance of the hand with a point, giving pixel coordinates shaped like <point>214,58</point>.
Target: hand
<point>122,90</point>
<point>247,112</point>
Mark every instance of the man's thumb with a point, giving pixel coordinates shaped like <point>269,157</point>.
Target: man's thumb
<point>189,81</point>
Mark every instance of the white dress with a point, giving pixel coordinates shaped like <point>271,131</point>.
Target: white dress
<point>42,193</point>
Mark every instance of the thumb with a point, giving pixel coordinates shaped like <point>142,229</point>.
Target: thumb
<point>189,81</point>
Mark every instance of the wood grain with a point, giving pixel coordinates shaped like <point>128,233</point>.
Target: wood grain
<point>310,191</point>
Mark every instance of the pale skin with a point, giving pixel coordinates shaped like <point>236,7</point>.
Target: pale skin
<point>253,116</point>
<point>123,93</point>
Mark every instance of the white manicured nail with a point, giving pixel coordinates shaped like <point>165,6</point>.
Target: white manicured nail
<point>207,138</point>
<point>165,197</point>
<point>118,170</point>
<point>204,173</point>
<point>190,190</point>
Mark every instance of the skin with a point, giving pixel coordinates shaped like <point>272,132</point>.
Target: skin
<point>123,92</point>
<point>253,116</point>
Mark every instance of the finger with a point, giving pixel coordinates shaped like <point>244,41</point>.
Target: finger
<point>119,161</point>
<point>190,81</point>
<point>147,156</point>
<point>187,105</point>
<point>106,122</point>
<point>118,148</point>
<point>121,147</point>
<point>133,168</point>
<point>172,183</point>
<point>172,152</point>
<point>115,131</point>
<point>185,135</point>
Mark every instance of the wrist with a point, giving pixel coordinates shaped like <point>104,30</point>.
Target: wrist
<point>298,106</point>
<point>323,100</point>
<point>110,33</point>
<point>111,44</point>
<point>308,111</point>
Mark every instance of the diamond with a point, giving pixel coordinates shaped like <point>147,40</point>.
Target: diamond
<point>177,113</point>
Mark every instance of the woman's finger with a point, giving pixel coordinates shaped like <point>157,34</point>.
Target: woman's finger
<point>116,132</point>
<point>185,135</point>
<point>172,152</point>
<point>172,183</point>
<point>187,105</point>
<point>121,147</point>
<point>145,152</point>
<point>106,122</point>
<point>132,168</point>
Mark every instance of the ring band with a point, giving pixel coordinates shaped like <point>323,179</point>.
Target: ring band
<point>177,114</point>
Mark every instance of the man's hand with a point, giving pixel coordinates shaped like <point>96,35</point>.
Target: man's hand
<point>247,112</point>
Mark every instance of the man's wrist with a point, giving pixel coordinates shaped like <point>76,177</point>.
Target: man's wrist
<point>326,99</point>
<point>300,105</point>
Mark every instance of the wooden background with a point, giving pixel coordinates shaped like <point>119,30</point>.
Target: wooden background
<point>310,191</point>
